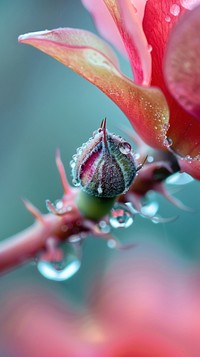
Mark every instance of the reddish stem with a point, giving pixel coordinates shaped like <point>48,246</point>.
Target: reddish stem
<point>25,245</point>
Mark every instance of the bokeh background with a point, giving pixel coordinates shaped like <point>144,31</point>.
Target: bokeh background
<point>45,106</point>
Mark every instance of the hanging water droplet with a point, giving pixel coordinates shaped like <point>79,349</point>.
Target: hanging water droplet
<point>61,266</point>
<point>104,227</point>
<point>175,9</point>
<point>179,179</point>
<point>125,148</point>
<point>149,48</point>
<point>150,209</point>
<point>168,142</point>
<point>121,216</point>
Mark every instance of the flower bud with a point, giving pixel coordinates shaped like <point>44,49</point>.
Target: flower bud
<point>105,165</point>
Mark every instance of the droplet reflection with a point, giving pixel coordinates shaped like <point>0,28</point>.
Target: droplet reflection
<point>63,267</point>
<point>125,148</point>
<point>121,216</point>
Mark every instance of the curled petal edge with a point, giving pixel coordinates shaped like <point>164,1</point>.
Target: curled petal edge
<point>145,107</point>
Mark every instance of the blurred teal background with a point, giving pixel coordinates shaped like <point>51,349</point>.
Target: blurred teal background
<point>45,106</point>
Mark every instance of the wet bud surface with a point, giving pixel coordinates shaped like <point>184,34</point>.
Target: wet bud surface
<point>104,166</point>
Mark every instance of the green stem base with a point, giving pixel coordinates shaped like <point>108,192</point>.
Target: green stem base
<point>94,207</point>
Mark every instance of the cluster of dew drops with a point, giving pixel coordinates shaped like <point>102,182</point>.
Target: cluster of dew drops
<point>68,260</point>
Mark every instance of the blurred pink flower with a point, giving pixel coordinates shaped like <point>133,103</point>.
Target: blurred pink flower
<point>160,39</point>
<point>146,305</point>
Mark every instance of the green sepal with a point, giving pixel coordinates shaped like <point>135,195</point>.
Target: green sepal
<point>93,207</point>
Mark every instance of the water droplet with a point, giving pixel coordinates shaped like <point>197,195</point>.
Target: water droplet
<point>149,48</point>
<point>79,151</point>
<point>168,142</point>
<point>150,209</point>
<point>189,4</point>
<point>167,19</point>
<point>59,205</point>
<point>111,243</point>
<point>64,266</point>
<point>188,158</point>
<point>150,158</point>
<point>175,9</point>
<point>125,148</point>
<point>99,189</point>
<point>72,164</point>
<point>75,182</point>
<point>104,227</point>
<point>121,216</point>
<point>179,179</point>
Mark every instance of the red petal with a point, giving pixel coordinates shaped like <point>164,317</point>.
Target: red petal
<point>128,17</point>
<point>87,55</point>
<point>182,66</point>
<point>158,22</point>
<point>105,23</point>
<point>184,129</point>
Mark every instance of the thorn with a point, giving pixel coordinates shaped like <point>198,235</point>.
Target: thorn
<point>33,210</point>
<point>61,170</point>
<point>175,201</point>
<point>139,167</point>
<point>103,124</point>
<point>103,127</point>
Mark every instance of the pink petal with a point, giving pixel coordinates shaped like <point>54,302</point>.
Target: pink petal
<point>105,23</point>
<point>87,55</point>
<point>182,66</point>
<point>128,17</point>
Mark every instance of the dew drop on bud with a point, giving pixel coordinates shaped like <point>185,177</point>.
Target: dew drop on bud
<point>125,148</point>
<point>72,164</point>
<point>75,182</point>
<point>121,216</point>
<point>62,265</point>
